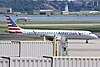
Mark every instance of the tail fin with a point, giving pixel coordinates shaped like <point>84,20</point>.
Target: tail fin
<point>12,26</point>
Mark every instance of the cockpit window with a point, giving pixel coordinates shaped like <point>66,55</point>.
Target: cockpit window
<point>79,33</point>
<point>90,33</point>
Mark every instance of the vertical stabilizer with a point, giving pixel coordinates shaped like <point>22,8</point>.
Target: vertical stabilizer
<point>12,26</point>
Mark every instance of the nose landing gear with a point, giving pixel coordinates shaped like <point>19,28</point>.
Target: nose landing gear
<point>87,41</point>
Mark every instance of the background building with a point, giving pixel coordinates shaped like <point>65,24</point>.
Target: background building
<point>5,10</point>
<point>28,6</point>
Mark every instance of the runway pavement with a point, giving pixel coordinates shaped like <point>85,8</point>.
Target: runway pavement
<point>3,25</point>
<point>80,48</point>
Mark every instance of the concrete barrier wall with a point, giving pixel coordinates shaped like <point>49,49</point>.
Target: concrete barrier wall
<point>4,62</point>
<point>46,62</point>
<point>24,62</point>
<point>26,48</point>
<point>29,62</point>
<point>36,49</point>
<point>76,61</point>
<point>7,48</point>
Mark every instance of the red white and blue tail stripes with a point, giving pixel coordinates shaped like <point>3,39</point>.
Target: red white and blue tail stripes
<point>12,26</point>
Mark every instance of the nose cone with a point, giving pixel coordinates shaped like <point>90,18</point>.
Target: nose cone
<point>94,36</point>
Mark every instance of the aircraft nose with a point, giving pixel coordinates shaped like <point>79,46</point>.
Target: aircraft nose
<point>95,36</point>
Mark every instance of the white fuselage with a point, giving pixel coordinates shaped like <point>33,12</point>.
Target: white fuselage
<point>68,34</point>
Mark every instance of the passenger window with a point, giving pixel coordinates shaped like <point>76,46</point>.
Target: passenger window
<point>79,33</point>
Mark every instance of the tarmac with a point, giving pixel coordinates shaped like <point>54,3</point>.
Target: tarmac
<point>90,25</point>
<point>81,48</point>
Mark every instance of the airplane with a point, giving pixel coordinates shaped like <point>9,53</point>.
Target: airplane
<point>13,28</point>
<point>24,19</point>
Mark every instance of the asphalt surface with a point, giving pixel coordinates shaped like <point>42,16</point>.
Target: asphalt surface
<point>3,25</point>
<point>80,48</point>
<point>56,18</point>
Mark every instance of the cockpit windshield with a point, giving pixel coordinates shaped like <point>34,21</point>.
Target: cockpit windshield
<point>90,33</point>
